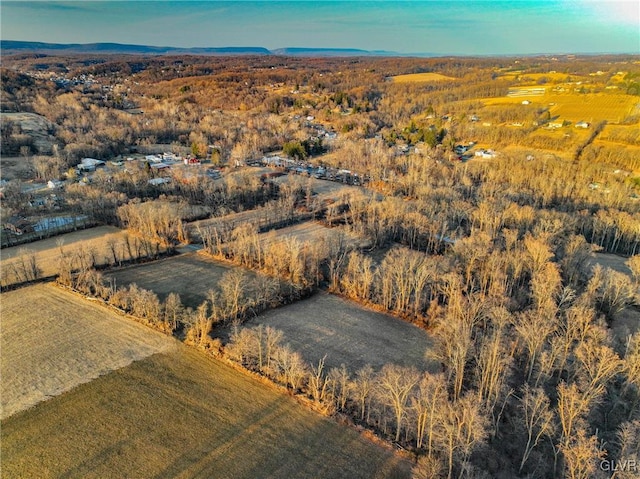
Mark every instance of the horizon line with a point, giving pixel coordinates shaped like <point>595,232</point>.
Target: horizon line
<point>272,51</point>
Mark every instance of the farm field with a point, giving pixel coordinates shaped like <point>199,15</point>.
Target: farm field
<point>181,414</point>
<point>565,141</point>
<point>323,188</point>
<point>610,145</point>
<point>593,107</point>
<point>53,340</point>
<point>313,232</point>
<point>534,77</point>
<point>421,77</point>
<point>47,251</point>
<point>348,334</point>
<point>575,107</point>
<point>190,275</point>
<point>518,151</point>
<point>255,216</point>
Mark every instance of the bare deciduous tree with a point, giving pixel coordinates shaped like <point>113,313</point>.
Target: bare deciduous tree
<point>318,381</point>
<point>533,328</point>
<point>340,384</point>
<point>537,418</point>
<point>572,408</point>
<point>426,404</point>
<point>362,390</point>
<point>395,385</point>
<point>582,454</point>
<point>173,311</point>
<point>462,428</point>
<point>628,442</point>
<point>291,367</point>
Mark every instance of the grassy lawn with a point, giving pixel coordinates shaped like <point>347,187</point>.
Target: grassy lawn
<point>180,414</point>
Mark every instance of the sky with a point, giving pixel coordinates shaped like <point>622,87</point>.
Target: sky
<point>453,27</point>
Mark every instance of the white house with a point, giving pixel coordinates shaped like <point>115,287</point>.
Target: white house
<point>54,184</point>
<point>582,124</point>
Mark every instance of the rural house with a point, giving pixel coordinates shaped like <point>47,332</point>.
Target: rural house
<point>18,225</point>
<point>90,164</point>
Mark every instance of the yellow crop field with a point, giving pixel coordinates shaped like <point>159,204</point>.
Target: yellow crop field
<point>551,76</point>
<point>532,78</point>
<point>593,107</point>
<point>421,78</point>
<point>575,107</point>
<point>508,100</point>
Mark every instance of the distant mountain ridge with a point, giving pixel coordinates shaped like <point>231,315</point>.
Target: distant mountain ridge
<point>14,46</point>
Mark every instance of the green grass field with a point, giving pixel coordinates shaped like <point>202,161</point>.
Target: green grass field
<point>181,414</point>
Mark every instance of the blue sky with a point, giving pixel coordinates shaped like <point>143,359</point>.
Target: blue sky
<point>462,27</point>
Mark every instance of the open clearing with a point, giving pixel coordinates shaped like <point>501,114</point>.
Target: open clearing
<point>593,107</point>
<point>613,261</point>
<point>256,216</point>
<point>627,321</point>
<point>53,340</point>
<point>36,126</point>
<point>575,107</point>
<point>348,334</point>
<point>325,189</point>
<point>312,232</point>
<point>421,77</point>
<point>48,252</point>
<point>16,168</point>
<point>180,414</point>
<point>190,275</point>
